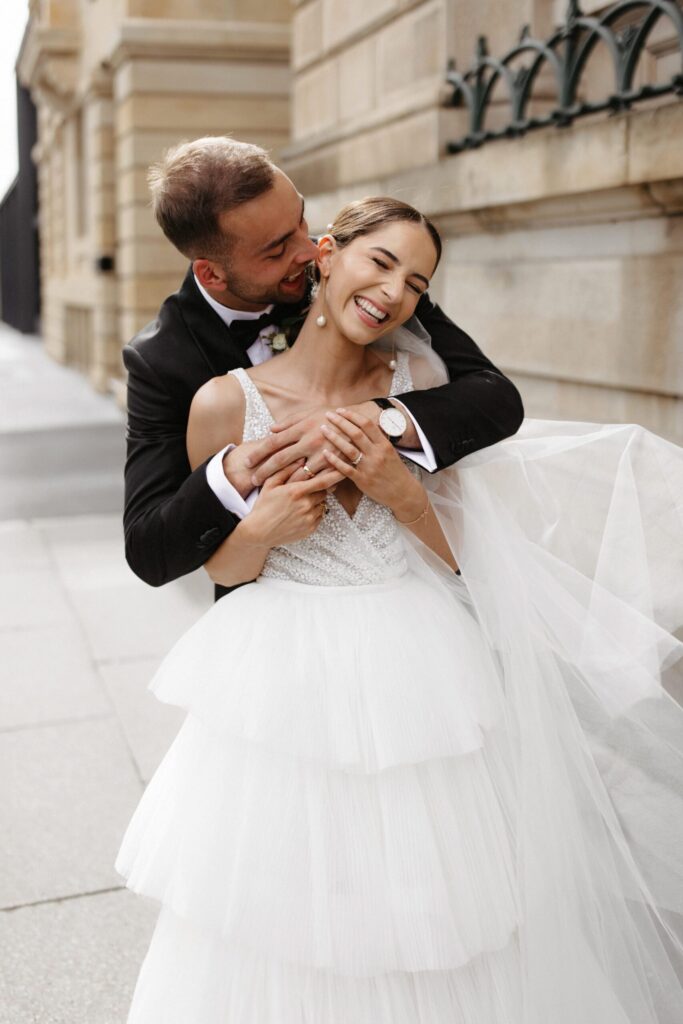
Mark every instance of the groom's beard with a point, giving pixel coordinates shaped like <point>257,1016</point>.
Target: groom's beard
<point>259,295</point>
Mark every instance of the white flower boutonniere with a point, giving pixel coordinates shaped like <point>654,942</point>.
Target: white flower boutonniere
<point>274,337</point>
<point>279,342</point>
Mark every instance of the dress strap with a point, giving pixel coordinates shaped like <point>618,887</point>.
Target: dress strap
<point>257,417</point>
<point>402,380</point>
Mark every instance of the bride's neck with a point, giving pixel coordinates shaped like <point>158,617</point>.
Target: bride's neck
<point>328,361</point>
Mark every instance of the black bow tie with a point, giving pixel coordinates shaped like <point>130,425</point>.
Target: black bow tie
<point>245,332</point>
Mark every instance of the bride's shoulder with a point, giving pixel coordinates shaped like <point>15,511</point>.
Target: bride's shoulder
<point>222,396</point>
<point>216,417</point>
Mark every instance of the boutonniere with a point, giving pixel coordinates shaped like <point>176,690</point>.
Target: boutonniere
<point>279,337</point>
<point>274,338</point>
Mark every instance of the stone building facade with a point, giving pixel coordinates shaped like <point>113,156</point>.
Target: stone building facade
<point>563,247</point>
<point>115,84</point>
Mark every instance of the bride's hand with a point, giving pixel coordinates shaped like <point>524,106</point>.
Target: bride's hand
<point>380,473</point>
<point>286,510</point>
<point>295,438</point>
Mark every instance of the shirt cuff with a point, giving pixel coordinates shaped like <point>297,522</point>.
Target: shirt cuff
<point>424,458</point>
<point>229,498</point>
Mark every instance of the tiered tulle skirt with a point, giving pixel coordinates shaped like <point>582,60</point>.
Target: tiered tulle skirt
<point>327,833</point>
<point>334,835</point>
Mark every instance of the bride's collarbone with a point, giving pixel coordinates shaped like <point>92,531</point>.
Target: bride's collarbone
<point>284,398</point>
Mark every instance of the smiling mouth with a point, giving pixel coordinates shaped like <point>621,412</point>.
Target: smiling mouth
<point>370,309</point>
<point>293,278</point>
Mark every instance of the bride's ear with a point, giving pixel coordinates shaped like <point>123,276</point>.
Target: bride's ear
<point>327,246</point>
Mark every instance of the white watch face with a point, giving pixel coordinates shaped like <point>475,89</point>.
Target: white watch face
<point>393,422</point>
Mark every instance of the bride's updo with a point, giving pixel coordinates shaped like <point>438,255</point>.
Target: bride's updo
<point>363,216</point>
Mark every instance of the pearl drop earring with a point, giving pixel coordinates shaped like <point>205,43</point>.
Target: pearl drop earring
<point>321,320</point>
<point>392,361</point>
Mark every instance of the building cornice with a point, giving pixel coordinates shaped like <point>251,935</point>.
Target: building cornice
<point>48,56</point>
<point>187,38</point>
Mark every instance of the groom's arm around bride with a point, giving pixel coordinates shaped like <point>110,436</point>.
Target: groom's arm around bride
<point>241,223</point>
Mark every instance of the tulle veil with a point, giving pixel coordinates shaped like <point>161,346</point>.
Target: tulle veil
<point>569,537</point>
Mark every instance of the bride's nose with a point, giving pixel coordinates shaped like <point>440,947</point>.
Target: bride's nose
<point>392,288</point>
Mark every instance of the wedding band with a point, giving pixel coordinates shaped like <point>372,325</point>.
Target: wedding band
<point>356,461</point>
<point>307,470</point>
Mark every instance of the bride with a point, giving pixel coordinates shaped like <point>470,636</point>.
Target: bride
<point>430,771</point>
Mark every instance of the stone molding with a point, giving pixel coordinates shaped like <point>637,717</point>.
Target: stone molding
<point>47,63</point>
<point>239,40</point>
<point>630,153</point>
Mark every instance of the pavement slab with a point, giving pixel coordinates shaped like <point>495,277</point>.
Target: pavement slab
<point>48,675</point>
<point>30,598</point>
<point>22,547</point>
<point>62,471</point>
<point>149,726</point>
<point>80,734</point>
<point>71,789</point>
<point>37,393</point>
<point>74,961</point>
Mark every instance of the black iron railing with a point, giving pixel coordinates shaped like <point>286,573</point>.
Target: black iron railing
<point>566,53</point>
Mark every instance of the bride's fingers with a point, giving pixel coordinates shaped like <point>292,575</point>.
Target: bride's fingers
<point>356,433</point>
<point>344,467</point>
<point>283,475</point>
<point>345,446</point>
<point>321,481</point>
<point>346,417</point>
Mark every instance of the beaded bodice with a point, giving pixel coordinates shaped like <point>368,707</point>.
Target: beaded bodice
<point>343,550</point>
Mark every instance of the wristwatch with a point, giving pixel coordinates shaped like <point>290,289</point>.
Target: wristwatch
<point>392,422</point>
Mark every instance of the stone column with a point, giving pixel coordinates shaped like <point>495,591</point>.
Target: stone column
<point>178,80</point>
<point>115,84</point>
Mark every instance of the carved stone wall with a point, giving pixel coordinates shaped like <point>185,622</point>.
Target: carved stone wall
<point>563,248</point>
<point>116,84</point>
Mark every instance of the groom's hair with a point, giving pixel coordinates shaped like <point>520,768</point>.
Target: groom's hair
<point>197,181</point>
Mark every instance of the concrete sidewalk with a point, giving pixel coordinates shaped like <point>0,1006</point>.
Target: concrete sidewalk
<point>80,637</point>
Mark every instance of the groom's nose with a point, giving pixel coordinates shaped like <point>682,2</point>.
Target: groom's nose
<point>307,250</point>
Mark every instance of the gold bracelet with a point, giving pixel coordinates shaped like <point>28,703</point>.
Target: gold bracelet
<point>411,522</point>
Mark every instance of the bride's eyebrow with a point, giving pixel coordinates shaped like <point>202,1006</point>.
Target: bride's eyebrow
<point>397,261</point>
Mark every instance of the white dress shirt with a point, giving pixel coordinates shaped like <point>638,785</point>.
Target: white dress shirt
<point>258,352</point>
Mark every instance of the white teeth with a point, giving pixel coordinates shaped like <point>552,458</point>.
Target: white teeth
<point>292,277</point>
<point>366,305</point>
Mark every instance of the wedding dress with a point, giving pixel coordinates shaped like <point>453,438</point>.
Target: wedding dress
<point>400,796</point>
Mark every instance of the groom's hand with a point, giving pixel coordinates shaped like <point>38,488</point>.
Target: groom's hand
<point>236,469</point>
<point>298,437</point>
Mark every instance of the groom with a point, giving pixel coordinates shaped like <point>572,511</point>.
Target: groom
<point>240,221</point>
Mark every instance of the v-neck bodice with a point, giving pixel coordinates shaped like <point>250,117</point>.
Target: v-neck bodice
<point>343,550</point>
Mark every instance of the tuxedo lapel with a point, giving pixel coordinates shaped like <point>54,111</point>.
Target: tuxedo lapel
<point>208,332</point>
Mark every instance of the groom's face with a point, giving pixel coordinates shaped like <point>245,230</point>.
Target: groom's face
<point>269,248</point>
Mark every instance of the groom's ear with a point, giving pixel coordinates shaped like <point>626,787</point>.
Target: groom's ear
<point>209,274</point>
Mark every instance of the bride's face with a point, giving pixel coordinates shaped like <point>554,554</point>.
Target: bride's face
<point>374,283</point>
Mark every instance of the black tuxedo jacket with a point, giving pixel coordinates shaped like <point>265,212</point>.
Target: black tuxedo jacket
<point>173,521</point>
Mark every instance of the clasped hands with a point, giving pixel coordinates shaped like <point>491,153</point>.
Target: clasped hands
<point>334,446</point>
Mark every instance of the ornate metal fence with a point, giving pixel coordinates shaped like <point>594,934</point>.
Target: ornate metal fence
<point>566,53</point>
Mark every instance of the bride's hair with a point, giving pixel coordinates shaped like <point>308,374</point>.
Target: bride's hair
<point>363,216</point>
